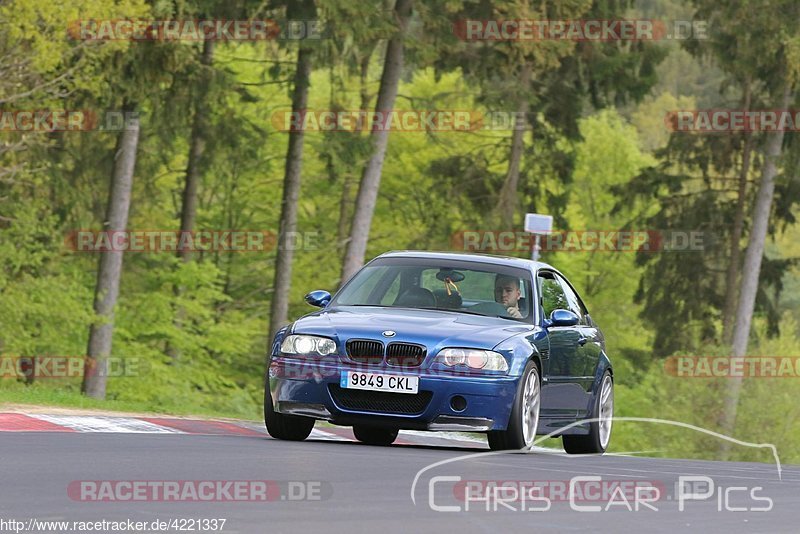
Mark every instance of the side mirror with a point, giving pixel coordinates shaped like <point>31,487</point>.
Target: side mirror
<point>319,298</point>
<point>563,318</point>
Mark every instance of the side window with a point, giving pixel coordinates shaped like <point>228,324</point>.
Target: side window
<point>553,296</point>
<point>573,300</point>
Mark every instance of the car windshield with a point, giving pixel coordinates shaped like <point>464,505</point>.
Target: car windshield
<point>440,284</point>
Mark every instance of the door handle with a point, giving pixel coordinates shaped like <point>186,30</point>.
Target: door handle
<point>582,341</point>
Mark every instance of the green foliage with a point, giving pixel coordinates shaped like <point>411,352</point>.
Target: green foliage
<point>768,410</point>
<point>607,156</point>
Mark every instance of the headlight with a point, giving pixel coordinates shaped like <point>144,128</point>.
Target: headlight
<point>487,360</point>
<point>308,345</point>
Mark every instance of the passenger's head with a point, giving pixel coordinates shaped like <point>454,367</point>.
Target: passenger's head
<point>506,290</point>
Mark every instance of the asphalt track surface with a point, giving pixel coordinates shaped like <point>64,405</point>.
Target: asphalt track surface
<point>368,489</point>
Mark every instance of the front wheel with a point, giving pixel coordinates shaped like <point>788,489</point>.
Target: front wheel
<point>282,426</point>
<point>375,436</point>
<point>596,442</point>
<point>524,420</point>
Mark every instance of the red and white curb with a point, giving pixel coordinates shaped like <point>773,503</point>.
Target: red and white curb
<point>17,422</point>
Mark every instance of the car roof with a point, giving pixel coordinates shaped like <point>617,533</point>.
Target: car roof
<point>479,258</point>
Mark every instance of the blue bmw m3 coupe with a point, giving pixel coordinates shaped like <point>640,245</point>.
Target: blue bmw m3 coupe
<point>444,341</point>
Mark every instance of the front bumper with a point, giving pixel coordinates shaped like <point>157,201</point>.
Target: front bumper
<point>311,392</point>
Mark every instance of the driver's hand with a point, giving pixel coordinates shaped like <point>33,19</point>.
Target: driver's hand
<point>513,311</point>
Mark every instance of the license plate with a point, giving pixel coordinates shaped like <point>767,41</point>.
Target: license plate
<point>379,382</point>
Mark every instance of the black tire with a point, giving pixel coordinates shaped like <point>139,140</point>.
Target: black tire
<point>591,443</point>
<point>375,436</point>
<point>513,438</point>
<point>282,426</point>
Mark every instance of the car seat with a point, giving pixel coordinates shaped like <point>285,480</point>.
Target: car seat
<point>416,297</point>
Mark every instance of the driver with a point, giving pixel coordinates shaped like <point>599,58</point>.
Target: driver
<point>507,293</point>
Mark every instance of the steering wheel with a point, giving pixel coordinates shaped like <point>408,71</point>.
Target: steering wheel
<point>490,308</point>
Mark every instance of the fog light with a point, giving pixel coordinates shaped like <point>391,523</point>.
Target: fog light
<point>458,403</point>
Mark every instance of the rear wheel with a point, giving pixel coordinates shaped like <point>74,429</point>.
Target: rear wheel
<point>524,420</point>
<point>596,442</point>
<point>282,426</point>
<point>375,436</point>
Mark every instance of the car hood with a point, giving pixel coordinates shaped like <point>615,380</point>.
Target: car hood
<point>432,328</point>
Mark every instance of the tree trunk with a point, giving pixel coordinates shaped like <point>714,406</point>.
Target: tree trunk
<point>346,201</point>
<point>732,275</point>
<point>507,200</point>
<point>344,211</point>
<point>752,269</point>
<point>110,267</point>
<point>371,178</point>
<point>279,310</point>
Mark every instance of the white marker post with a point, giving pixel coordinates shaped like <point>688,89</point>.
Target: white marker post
<point>537,224</point>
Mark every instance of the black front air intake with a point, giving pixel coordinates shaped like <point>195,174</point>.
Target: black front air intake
<point>380,401</point>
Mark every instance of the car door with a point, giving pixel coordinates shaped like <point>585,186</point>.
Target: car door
<point>561,393</point>
<point>588,351</point>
